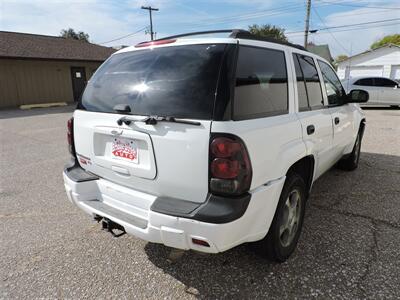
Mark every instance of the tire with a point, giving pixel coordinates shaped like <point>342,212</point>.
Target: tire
<point>280,241</point>
<point>350,163</point>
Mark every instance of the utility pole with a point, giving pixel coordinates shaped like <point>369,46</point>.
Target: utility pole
<point>307,26</point>
<point>150,9</point>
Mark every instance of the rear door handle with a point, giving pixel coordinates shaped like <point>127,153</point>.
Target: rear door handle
<point>310,129</point>
<point>120,170</point>
<point>337,120</point>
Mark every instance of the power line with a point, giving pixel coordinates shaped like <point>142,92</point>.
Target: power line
<point>232,17</point>
<point>350,29</point>
<point>362,28</point>
<point>340,44</point>
<point>243,17</point>
<point>125,36</point>
<point>250,15</point>
<point>350,13</point>
<point>247,16</point>
<point>350,25</point>
<point>352,5</point>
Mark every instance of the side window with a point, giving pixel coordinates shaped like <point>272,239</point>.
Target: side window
<point>313,83</point>
<point>301,85</point>
<point>333,86</point>
<point>261,83</point>
<point>384,82</point>
<point>364,82</point>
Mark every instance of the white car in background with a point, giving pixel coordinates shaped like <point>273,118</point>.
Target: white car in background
<point>382,91</point>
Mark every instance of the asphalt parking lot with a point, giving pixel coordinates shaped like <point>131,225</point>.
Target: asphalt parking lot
<point>349,246</point>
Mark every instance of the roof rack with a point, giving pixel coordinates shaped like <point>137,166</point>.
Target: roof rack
<point>243,34</point>
<point>233,32</point>
<point>236,34</point>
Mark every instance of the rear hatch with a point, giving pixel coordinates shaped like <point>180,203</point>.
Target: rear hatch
<point>164,158</point>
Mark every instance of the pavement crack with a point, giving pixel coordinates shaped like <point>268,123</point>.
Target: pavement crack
<point>371,166</point>
<point>373,257</point>
<point>356,215</point>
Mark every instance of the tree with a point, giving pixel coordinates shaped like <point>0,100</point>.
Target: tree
<point>389,39</point>
<point>341,57</point>
<point>268,30</point>
<point>72,34</point>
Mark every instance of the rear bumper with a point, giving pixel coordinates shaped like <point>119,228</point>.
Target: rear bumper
<point>133,210</point>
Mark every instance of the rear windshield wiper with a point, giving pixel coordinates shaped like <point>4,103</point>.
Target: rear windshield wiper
<point>153,120</point>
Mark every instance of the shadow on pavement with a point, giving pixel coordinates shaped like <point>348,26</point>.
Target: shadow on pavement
<point>380,107</point>
<point>343,214</point>
<point>18,113</point>
<point>233,273</point>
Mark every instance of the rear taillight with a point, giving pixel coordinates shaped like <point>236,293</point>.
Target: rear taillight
<point>230,168</point>
<point>70,136</point>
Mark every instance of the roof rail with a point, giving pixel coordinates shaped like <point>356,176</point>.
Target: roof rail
<point>233,33</point>
<point>249,36</point>
<point>236,34</point>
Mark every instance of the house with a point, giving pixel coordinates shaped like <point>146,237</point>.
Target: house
<point>43,69</point>
<point>380,62</point>
<point>321,50</point>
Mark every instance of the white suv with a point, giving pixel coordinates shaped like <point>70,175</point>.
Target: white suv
<point>208,143</point>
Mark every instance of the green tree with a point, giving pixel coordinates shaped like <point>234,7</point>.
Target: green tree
<point>268,30</point>
<point>341,57</point>
<point>389,39</point>
<point>72,34</point>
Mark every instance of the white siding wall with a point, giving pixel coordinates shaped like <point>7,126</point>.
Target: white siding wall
<point>384,58</point>
<point>395,72</point>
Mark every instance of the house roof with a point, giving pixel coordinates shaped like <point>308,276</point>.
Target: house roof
<point>371,50</point>
<point>34,46</point>
<point>321,50</point>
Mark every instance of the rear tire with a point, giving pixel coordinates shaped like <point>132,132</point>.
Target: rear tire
<point>284,232</point>
<point>351,163</point>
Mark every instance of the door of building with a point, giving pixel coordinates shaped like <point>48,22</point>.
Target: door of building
<point>78,76</point>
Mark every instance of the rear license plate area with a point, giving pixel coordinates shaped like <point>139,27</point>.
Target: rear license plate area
<point>125,149</point>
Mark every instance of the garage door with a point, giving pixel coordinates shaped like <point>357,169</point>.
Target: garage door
<point>395,73</point>
<point>366,71</point>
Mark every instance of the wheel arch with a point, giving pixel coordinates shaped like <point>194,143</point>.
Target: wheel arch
<point>305,167</point>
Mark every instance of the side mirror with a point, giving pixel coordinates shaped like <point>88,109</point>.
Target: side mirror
<point>357,96</point>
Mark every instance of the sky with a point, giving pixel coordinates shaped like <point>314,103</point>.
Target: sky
<point>106,21</point>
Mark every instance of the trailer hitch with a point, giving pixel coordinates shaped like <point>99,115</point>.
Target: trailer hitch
<point>110,226</point>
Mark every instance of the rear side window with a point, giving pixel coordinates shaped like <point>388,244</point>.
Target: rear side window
<point>334,90</point>
<point>301,85</point>
<point>364,82</point>
<point>313,84</point>
<point>384,82</point>
<point>177,81</point>
<point>261,83</point>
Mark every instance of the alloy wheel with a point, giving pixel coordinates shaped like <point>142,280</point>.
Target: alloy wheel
<point>290,218</point>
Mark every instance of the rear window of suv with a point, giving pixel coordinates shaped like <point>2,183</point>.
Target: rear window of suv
<point>177,81</point>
